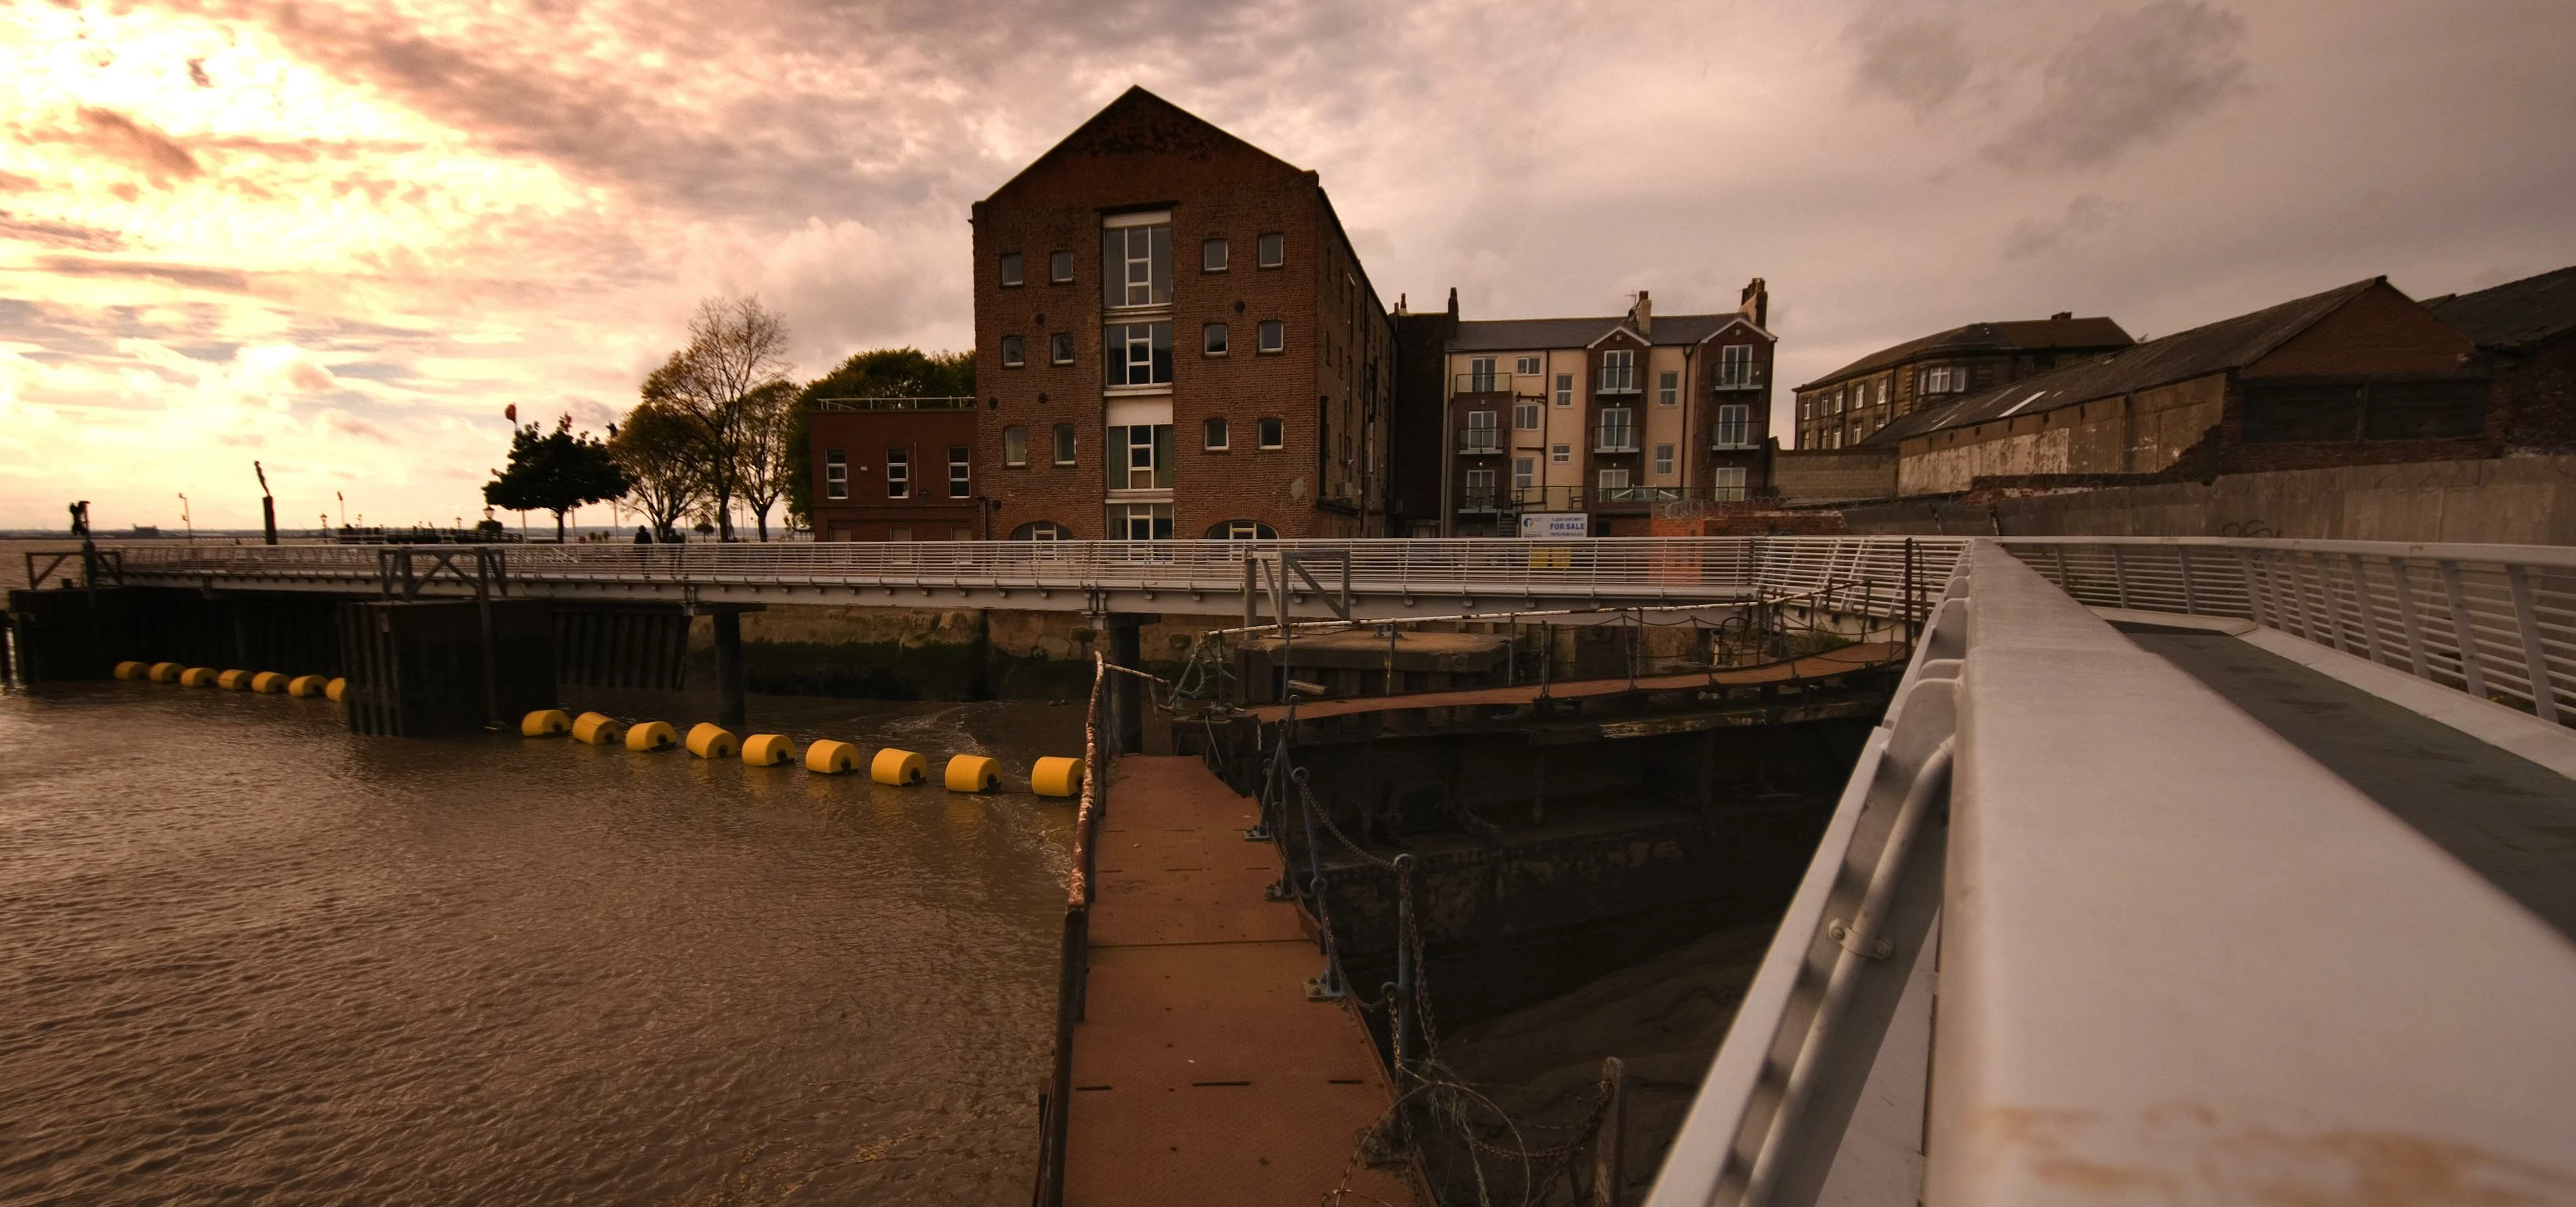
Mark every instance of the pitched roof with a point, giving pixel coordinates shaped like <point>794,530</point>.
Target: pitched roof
<point>2518,312</point>
<point>2226,344</point>
<point>1141,123</point>
<point>1530,335</point>
<point>2010,335</point>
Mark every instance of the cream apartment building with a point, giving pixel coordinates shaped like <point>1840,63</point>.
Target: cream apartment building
<point>1583,425</point>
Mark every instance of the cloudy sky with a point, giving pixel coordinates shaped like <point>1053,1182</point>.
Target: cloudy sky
<point>340,237</point>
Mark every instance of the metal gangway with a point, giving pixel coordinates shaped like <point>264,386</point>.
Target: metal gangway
<point>2098,923</point>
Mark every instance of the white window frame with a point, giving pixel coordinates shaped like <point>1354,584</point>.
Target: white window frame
<point>1613,478</point>
<point>1726,483</point>
<point>1560,454</point>
<point>1272,432</point>
<point>1668,388</point>
<point>1736,419</point>
<point>1663,460</point>
<point>898,473</point>
<point>1217,245</point>
<point>1734,366</point>
<point>1062,260</point>
<point>961,471</point>
<point>1012,270</point>
<point>1060,348</point>
<point>836,473</point>
<point>1481,481</point>
<point>1215,434</point>
<point>1264,334</point>
<point>1015,445</point>
<point>1619,370</point>
<point>1565,389</point>
<point>1526,366</point>
<point>1480,374</point>
<point>1524,473</point>
<point>1526,414</point>
<point>1014,351</point>
<point>1269,244</point>
<point>1066,441</point>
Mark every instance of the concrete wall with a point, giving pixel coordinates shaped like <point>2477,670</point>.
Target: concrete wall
<point>2130,434</point>
<point>1808,475</point>
<point>2514,500</point>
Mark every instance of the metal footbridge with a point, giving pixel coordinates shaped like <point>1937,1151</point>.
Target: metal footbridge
<point>2184,871</point>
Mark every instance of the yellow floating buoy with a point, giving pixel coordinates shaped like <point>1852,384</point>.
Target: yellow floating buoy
<point>973,773</point>
<point>306,686</point>
<point>708,740</point>
<point>767,749</point>
<point>336,690</point>
<point>132,670</point>
<point>198,676</point>
<point>900,768</point>
<point>545,723</point>
<point>233,681</point>
<point>597,729</point>
<point>166,672</point>
<point>828,757</point>
<point>1056,777</point>
<point>268,683</point>
<point>651,736</point>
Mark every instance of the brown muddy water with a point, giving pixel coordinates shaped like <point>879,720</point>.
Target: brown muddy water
<point>246,956</point>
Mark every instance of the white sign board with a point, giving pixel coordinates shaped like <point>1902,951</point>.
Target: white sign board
<point>1555,525</point>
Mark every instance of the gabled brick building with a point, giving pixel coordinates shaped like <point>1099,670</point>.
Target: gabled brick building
<point>1846,406</point>
<point>2526,336</point>
<point>1174,338</point>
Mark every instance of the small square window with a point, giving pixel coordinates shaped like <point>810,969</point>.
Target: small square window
<point>1274,433</point>
<point>1015,446</point>
<point>1014,352</point>
<point>1527,365</point>
<point>1212,339</point>
<point>1010,269</point>
<point>1060,267</point>
<point>1274,335</point>
<point>1274,250</point>
<point>1212,255</point>
<point>1216,435</point>
<point>1560,454</point>
<point>1060,347</point>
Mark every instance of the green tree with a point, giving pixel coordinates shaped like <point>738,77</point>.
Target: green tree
<point>661,451</point>
<point>881,373</point>
<point>763,468</point>
<point>555,471</point>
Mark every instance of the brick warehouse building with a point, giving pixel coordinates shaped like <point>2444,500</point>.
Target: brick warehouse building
<point>895,469</point>
<point>1848,405</point>
<point>1173,337</point>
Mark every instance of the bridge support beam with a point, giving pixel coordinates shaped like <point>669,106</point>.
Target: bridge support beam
<point>1127,692</point>
<point>729,668</point>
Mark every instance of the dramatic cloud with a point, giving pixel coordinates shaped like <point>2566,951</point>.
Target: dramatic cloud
<point>347,233</point>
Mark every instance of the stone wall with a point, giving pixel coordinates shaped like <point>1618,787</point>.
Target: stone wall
<point>1814,475</point>
<point>2513,500</point>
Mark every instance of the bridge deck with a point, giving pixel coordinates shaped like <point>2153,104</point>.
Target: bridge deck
<point>1842,660</point>
<point>2511,820</point>
<point>1201,1072</point>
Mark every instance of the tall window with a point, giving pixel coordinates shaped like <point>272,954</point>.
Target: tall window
<point>1668,388</point>
<point>1526,366</point>
<point>1215,435</point>
<point>1015,445</point>
<point>1483,435</point>
<point>1480,374</point>
<point>1060,267</point>
<point>1618,431</point>
<point>960,483</point>
<point>1524,473</point>
<point>1139,354</point>
<point>1480,489</point>
<point>1663,460</point>
<point>1140,457</point>
<point>1735,366</point>
<point>1274,335</point>
<point>898,474</point>
<point>1525,415</point>
<point>1274,250</point>
<point>1726,483</point>
<point>1212,255</point>
<point>1014,352</point>
<point>1734,426</point>
<point>1060,347</point>
<point>1619,370</point>
<point>836,474</point>
<point>1212,339</point>
<point>1274,433</point>
<point>1614,482</point>
<point>1565,389</point>
<point>1010,269</point>
<point>1136,265</point>
<point>1064,444</point>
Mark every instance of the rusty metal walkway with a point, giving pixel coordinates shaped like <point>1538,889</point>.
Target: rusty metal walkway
<point>1201,1074</point>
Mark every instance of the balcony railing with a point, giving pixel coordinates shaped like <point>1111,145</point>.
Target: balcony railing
<point>1485,501</point>
<point>1480,441</point>
<point>1484,383</point>
<point>959,403</point>
<point>1616,381</point>
<point>1614,439</point>
<point>1730,435</point>
<point>1740,377</point>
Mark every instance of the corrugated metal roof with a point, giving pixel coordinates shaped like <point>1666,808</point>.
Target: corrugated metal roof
<point>1531,335</point>
<point>2226,344</point>
<point>2010,335</point>
<point>2518,312</point>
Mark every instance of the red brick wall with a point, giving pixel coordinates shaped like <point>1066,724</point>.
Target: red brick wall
<point>1751,522</point>
<point>868,515</point>
<point>1147,155</point>
<point>2378,331</point>
<point>1704,398</point>
<point>2534,392</point>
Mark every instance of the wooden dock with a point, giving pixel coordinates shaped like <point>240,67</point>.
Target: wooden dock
<point>1201,1073</point>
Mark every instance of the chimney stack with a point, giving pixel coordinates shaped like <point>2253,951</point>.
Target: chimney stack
<point>1643,314</point>
<point>1756,304</point>
<point>2062,316</point>
<point>1453,303</point>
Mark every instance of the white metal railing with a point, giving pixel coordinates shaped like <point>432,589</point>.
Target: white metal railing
<point>1712,567</point>
<point>2175,959</point>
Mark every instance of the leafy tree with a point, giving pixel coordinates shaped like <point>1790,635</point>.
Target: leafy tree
<point>881,373</point>
<point>555,471</point>
<point>736,347</point>
<point>661,451</point>
<point>764,468</point>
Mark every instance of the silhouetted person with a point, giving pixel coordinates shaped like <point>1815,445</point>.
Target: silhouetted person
<point>643,535</point>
